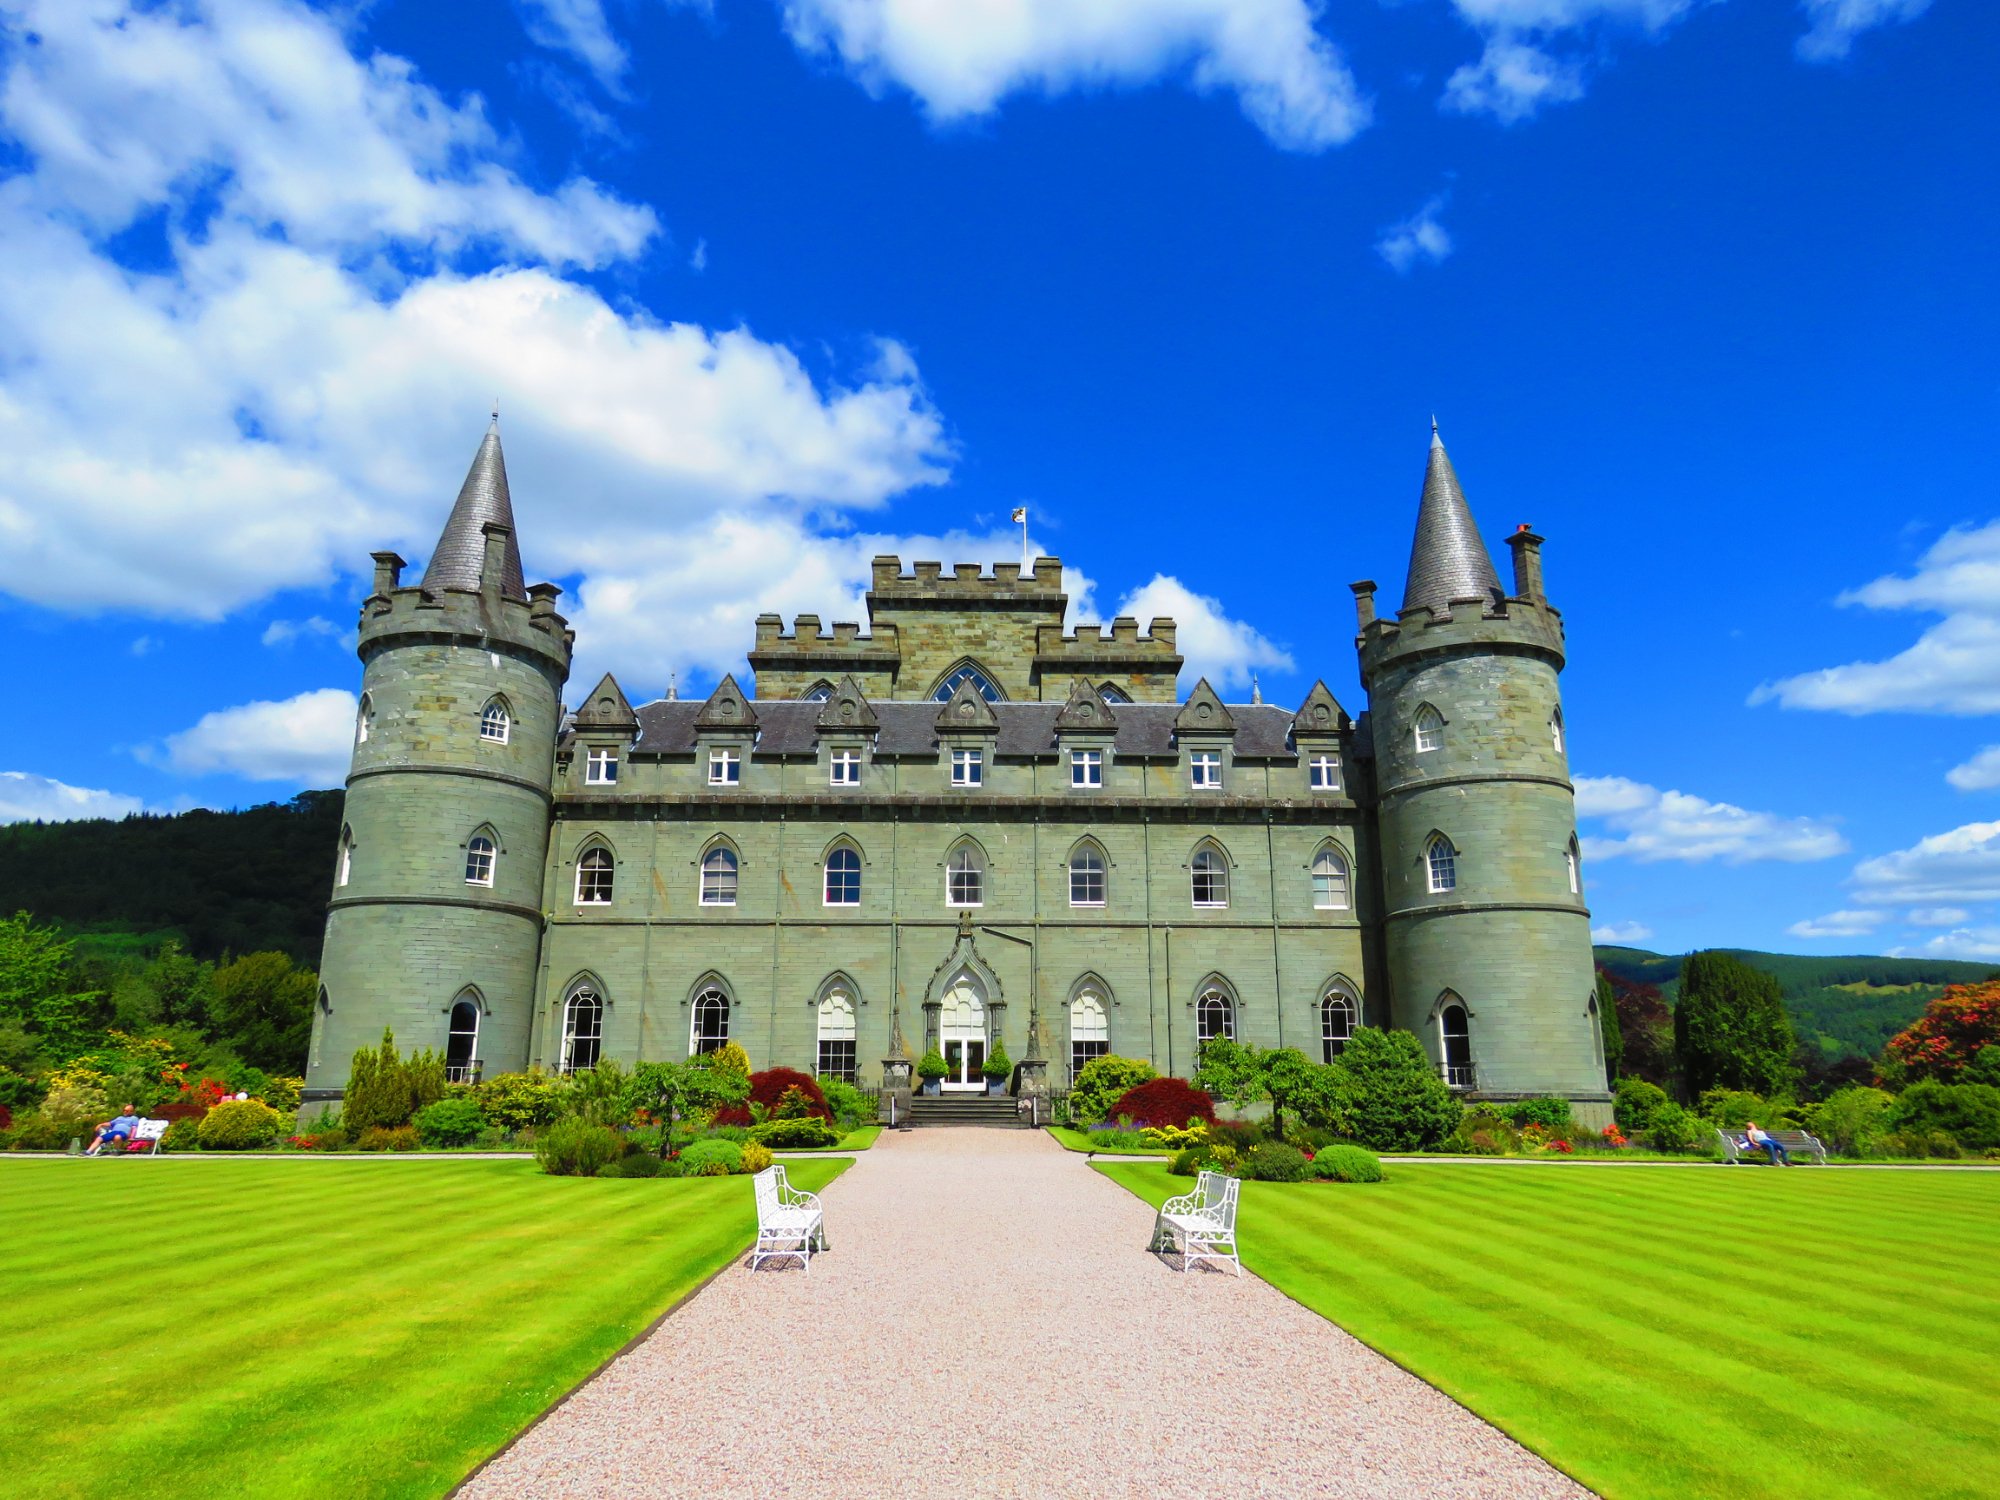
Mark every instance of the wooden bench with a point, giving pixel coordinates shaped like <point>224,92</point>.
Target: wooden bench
<point>789,1220</point>
<point>1203,1222</point>
<point>1736,1146</point>
<point>143,1141</point>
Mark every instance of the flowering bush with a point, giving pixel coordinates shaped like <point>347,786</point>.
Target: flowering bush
<point>1175,1137</point>
<point>1558,1144</point>
<point>1953,1030</point>
<point>1615,1137</point>
<point>772,1089</point>
<point>1162,1102</point>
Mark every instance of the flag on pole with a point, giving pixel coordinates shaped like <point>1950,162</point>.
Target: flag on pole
<point>1020,514</point>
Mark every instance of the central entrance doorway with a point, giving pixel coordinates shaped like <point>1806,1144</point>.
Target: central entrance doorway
<point>962,1037</point>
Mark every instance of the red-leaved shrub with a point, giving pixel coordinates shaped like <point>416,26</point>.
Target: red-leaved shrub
<point>6,1117</point>
<point>1164,1101</point>
<point>768,1089</point>
<point>730,1114</point>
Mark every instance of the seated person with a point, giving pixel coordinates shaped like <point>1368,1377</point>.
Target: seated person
<point>1760,1139</point>
<point>119,1129</point>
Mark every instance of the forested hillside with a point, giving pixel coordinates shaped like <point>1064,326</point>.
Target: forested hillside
<point>1846,1006</point>
<point>237,882</point>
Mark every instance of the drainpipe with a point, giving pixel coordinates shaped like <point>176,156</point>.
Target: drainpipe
<point>1277,970</point>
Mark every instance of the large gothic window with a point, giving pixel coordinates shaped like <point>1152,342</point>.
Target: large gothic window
<point>1338,1012</point>
<point>1441,862</point>
<point>981,684</point>
<point>583,1029</point>
<point>836,1033</point>
<point>1086,876</point>
<point>480,854</point>
<point>718,877</point>
<point>1214,1015</point>
<point>843,877</point>
<point>595,873</point>
<point>1455,1042</point>
<point>1329,878</point>
<point>965,878</point>
<point>461,1044</point>
<point>709,1029</point>
<point>1209,877</point>
<point>1089,1030</point>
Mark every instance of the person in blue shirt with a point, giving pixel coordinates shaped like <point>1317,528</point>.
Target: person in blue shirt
<point>119,1129</point>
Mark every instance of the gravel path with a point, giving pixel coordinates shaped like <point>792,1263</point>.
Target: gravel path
<point>990,1324</point>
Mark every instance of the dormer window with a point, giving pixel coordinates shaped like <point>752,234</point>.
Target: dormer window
<point>844,769</point>
<point>601,766</point>
<point>1205,770</point>
<point>1323,773</point>
<point>968,767</point>
<point>725,768</point>
<point>1086,768</point>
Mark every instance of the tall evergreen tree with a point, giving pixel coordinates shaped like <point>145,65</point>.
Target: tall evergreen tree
<point>1607,1020</point>
<point>1730,1028</point>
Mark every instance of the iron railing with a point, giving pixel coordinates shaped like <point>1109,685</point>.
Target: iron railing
<point>1459,1075</point>
<point>465,1072</point>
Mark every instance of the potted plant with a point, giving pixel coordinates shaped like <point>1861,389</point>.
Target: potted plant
<point>998,1066</point>
<point>931,1069</point>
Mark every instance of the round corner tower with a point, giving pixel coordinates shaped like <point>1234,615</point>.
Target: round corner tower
<point>1485,931</point>
<point>435,923</point>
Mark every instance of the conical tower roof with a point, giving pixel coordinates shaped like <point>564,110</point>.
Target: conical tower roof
<point>1448,560</point>
<point>460,554</point>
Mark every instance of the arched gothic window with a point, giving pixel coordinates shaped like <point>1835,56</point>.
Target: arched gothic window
<point>1455,1042</point>
<point>583,1030</point>
<point>1089,1030</point>
<point>1112,694</point>
<point>596,873</point>
<point>1573,860</point>
<point>1441,862</point>
<point>1556,730</point>
<point>1214,1015</point>
<point>480,856</point>
<point>495,722</point>
<point>1338,1013</point>
<point>965,878</point>
<point>1430,729</point>
<point>1208,875</point>
<point>1086,876</point>
<point>710,1027</point>
<point>461,1043</point>
<point>836,1033</point>
<point>1329,877</point>
<point>343,866</point>
<point>364,720</point>
<point>819,692</point>
<point>718,877</point>
<point>981,684</point>
<point>843,877</point>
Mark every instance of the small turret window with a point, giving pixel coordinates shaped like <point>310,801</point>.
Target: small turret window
<point>480,855</point>
<point>710,1031</point>
<point>343,868</point>
<point>1572,859</point>
<point>1556,730</point>
<point>1442,862</point>
<point>495,723</point>
<point>1329,877</point>
<point>595,875</point>
<point>718,878</point>
<point>1430,730</point>
<point>364,720</point>
<point>1208,875</point>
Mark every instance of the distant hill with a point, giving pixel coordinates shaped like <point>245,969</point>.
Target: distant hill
<point>250,881</point>
<point>1847,1005</point>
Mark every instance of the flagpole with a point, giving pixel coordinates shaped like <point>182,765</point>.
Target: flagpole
<point>1021,515</point>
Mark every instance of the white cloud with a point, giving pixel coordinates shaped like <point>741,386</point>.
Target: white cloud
<point>962,59</point>
<point>1962,865</point>
<point>698,260</point>
<point>144,645</point>
<point>1223,650</point>
<point>1952,668</point>
<point>1836,23</point>
<point>1512,80</point>
<point>307,740</point>
<point>1651,825</point>
<point>1839,924</point>
<point>1981,773</point>
<point>1937,916</point>
<point>1621,934</point>
<point>581,29</point>
<point>1419,238</point>
<point>28,798</point>
<point>289,632</point>
<point>1966,942</point>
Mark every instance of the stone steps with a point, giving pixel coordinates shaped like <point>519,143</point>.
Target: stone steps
<point>965,1109</point>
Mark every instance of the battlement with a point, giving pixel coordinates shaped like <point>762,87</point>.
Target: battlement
<point>486,617</point>
<point>1146,668</point>
<point>926,582</point>
<point>1464,624</point>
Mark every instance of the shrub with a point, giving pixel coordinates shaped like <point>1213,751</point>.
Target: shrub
<point>37,1132</point>
<point>849,1105</point>
<point>998,1063</point>
<point>1174,1137</point>
<point>1347,1164</point>
<point>1552,1114</point>
<point>602,1095</point>
<point>1389,1096</point>
<point>1853,1120</point>
<point>772,1090</point>
<point>1636,1103</point>
<point>756,1156</point>
<point>182,1135</point>
<point>1102,1083</point>
<point>726,1155</point>
<point>931,1066</point>
<point>791,1135</point>
<point>1921,1143</point>
<point>1673,1129</point>
<point>519,1101</point>
<point>1122,1140</point>
<point>1164,1102</point>
<point>642,1165</point>
<point>240,1125</point>
<point>1188,1161</point>
<point>76,1107</point>
<point>1968,1112</point>
<point>731,1058</point>
<point>1274,1161</point>
<point>576,1148</point>
<point>1732,1109</point>
<point>450,1122</point>
<point>388,1138</point>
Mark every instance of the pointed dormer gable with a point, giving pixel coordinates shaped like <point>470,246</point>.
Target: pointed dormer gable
<point>1203,713</point>
<point>966,711</point>
<point>459,559</point>
<point>726,709</point>
<point>1320,714</point>
<point>846,709</point>
<point>606,710</point>
<point>1085,712</point>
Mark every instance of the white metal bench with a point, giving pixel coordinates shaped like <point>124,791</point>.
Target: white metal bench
<point>147,1134</point>
<point>789,1220</point>
<point>1203,1221</point>
<point>1736,1146</point>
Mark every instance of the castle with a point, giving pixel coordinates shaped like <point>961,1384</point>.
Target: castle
<point>960,828</point>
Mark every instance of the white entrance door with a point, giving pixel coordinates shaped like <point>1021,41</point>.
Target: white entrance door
<point>962,1036</point>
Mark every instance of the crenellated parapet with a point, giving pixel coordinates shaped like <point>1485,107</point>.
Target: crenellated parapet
<point>969,584</point>
<point>791,664</point>
<point>1144,668</point>
<point>1482,624</point>
<point>486,617</point>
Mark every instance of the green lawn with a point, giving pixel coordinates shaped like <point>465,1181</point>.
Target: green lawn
<point>1079,1140</point>
<point>1669,1332</point>
<point>314,1328</point>
<point>855,1140</point>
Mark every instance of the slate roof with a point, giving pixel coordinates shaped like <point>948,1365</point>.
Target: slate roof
<point>1026,729</point>
<point>1448,560</point>
<point>460,554</point>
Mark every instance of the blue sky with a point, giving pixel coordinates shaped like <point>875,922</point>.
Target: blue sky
<point>1702,290</point>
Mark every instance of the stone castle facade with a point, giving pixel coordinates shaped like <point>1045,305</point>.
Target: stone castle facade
<point>960,827</point>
